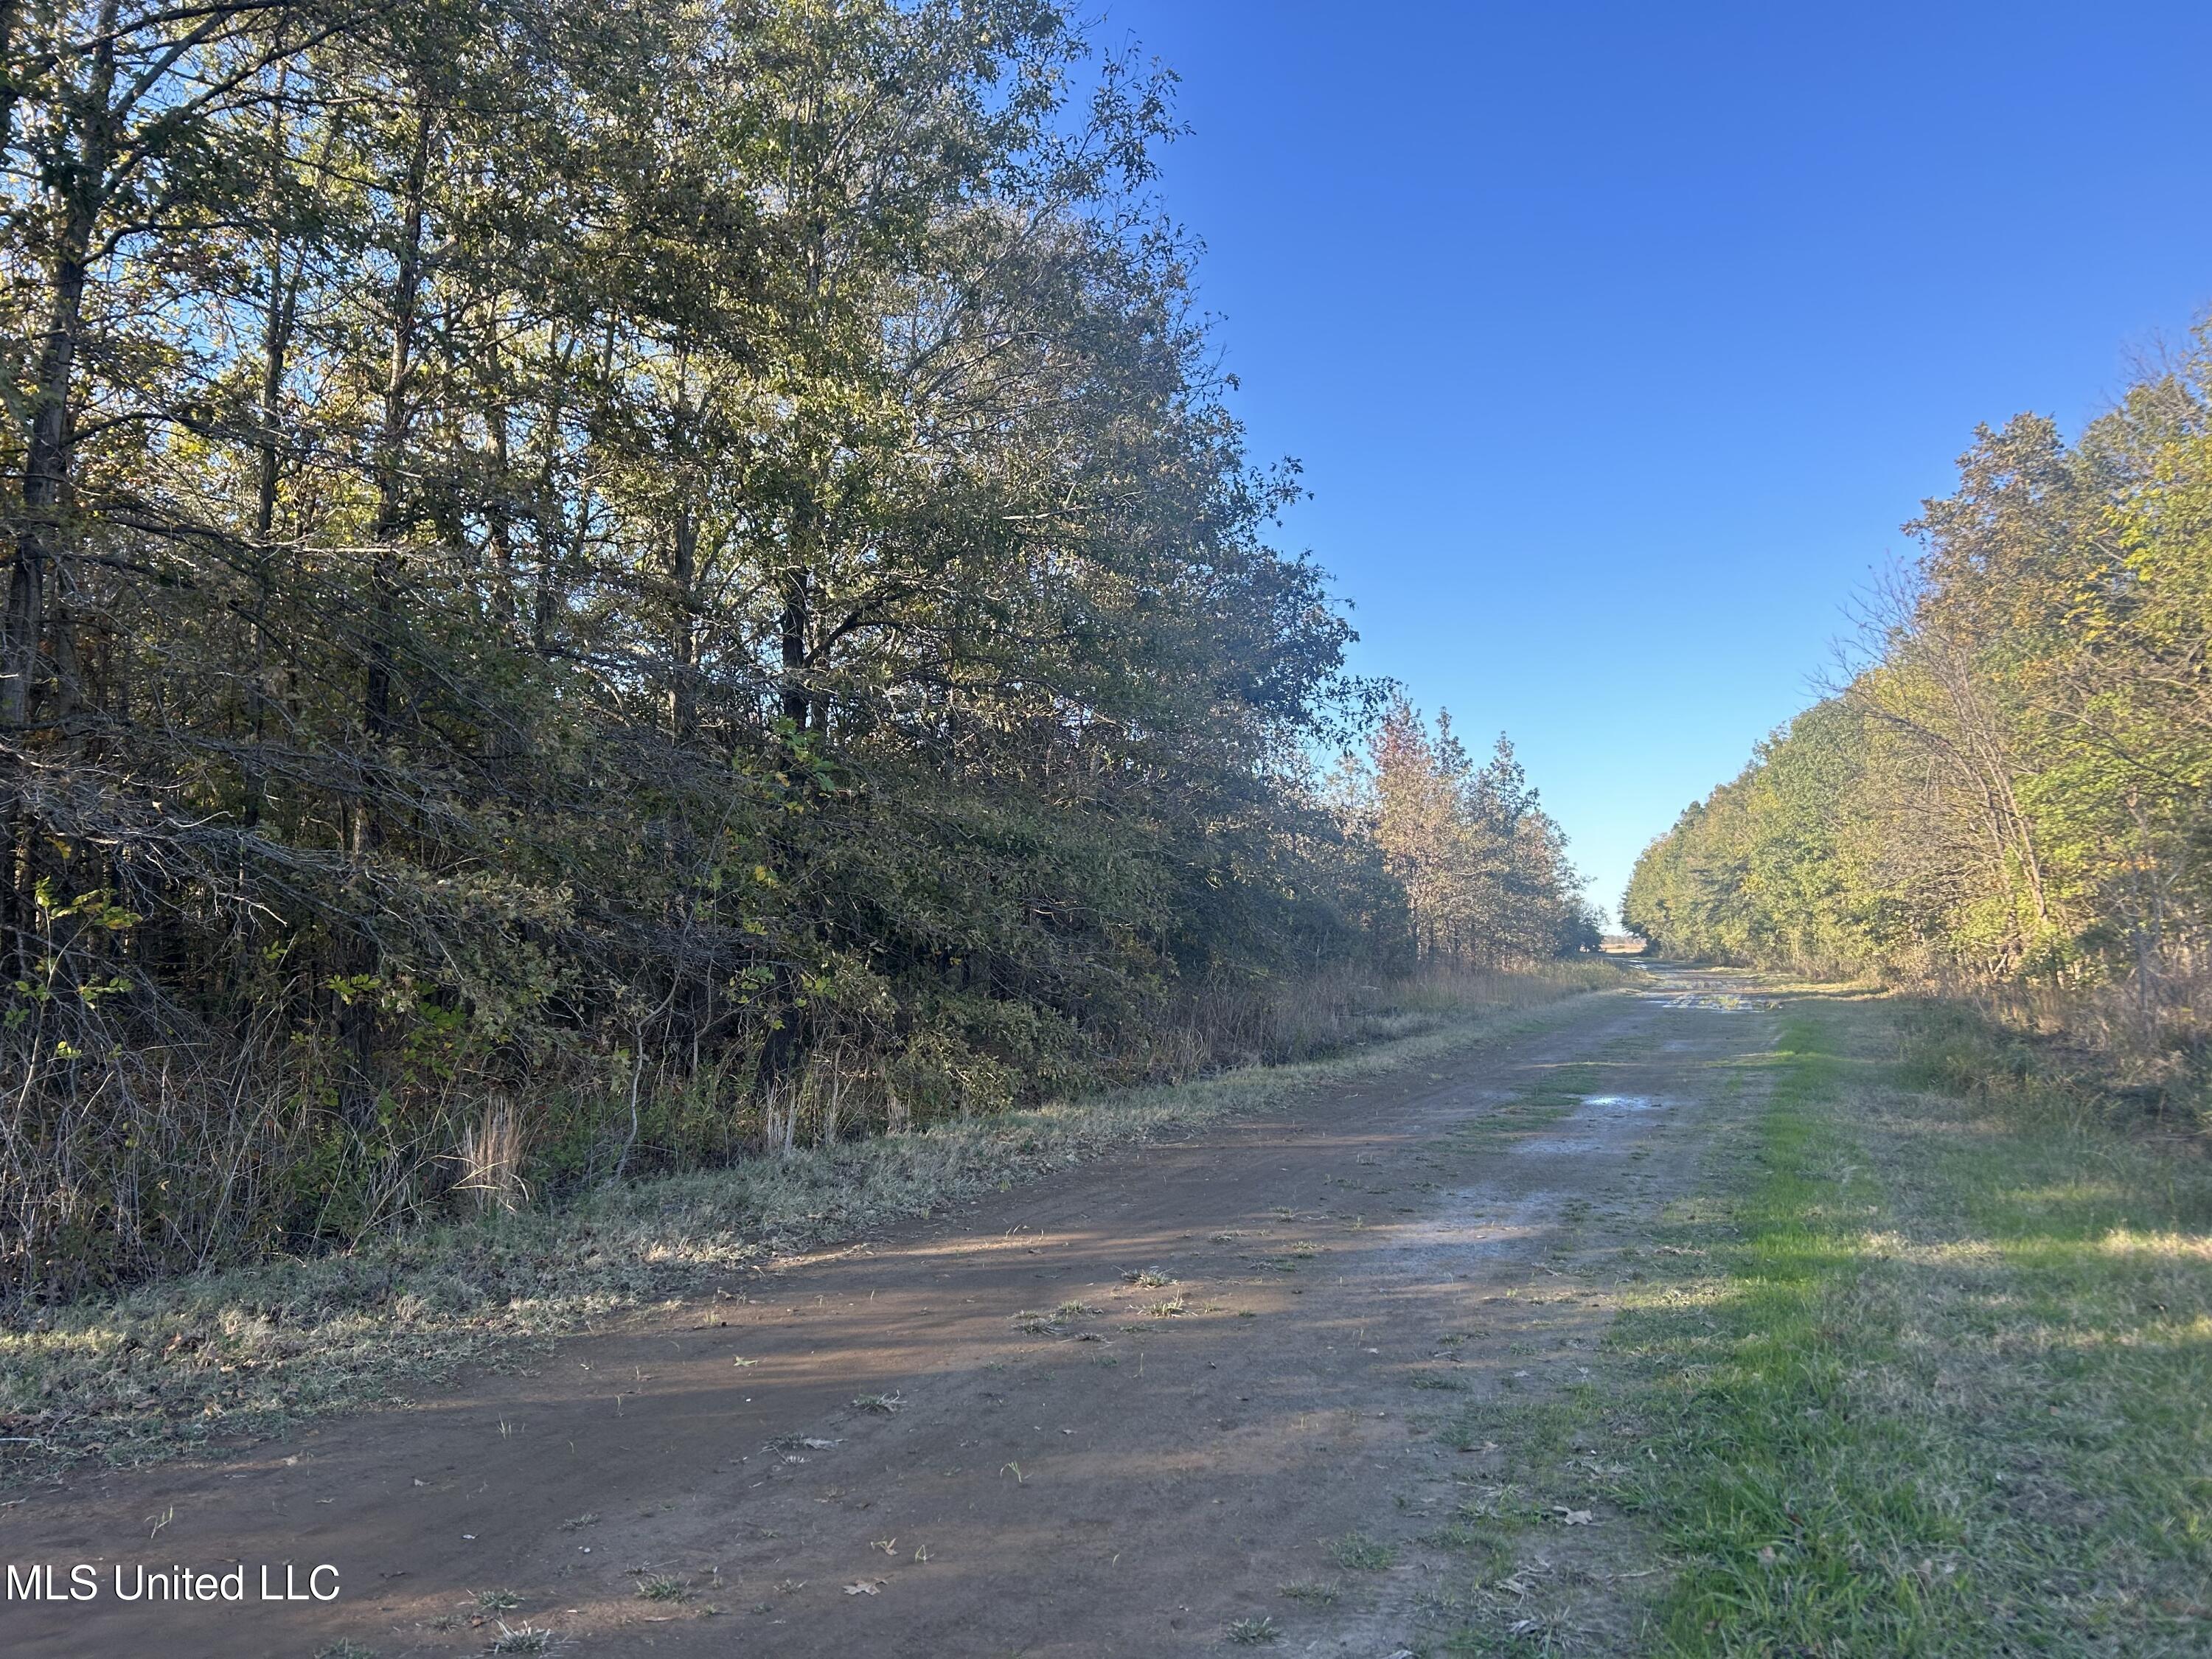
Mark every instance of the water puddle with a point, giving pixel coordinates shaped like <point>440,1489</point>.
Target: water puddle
<point>1603,1108</point>
<point>1618,1105</point>
<point>1725,1002</point>
<point>1554,1145</point>
<point>1715,995</point>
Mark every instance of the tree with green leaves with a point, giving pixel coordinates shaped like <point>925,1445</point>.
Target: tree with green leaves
<point>659,580</point>
<point>2009,796</point>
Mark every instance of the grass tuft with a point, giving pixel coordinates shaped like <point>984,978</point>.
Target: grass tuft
<point>1357,1552</point>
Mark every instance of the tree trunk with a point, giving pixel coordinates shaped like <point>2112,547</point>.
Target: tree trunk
<point>393,512</point>
<point>391,505</point>
<point>276,349</point>
<point>792,636</point>
<point>684,630</point>
<point>46,468</point>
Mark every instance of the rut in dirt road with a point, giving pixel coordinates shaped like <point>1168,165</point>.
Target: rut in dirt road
<point>1117,1411</point>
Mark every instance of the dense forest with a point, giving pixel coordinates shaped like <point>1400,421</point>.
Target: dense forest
<point>597,587</point>
<point>2012,793</point>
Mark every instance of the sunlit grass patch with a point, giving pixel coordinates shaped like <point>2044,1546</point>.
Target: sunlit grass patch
<point>1946,1396</point>
<point>2194,1248</point>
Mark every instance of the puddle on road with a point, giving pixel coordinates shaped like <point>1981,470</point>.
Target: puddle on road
<point>1724,1002</point>
<point>1480,1222</point>
<point>1553,1145</point>
<point>1605,1109</point>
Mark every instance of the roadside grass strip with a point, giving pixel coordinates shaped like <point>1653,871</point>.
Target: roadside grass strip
<point>1928,1380</point>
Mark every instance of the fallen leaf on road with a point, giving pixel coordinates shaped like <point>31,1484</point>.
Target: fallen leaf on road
<point>866,1587</point>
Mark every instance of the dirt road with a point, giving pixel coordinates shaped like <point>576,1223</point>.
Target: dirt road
<point>1116,1412</point>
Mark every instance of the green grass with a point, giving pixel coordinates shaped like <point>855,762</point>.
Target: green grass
<point>1920,1369</point>
<point>1937,1385</point>
<point>1538,1430</point>
<point>1803,1517</point>
<point>1356,1552</point>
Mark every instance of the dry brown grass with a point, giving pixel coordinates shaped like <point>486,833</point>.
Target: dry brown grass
<point>491,1159</point>
<point>164,1368</point>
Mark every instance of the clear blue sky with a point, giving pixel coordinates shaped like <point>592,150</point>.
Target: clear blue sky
<point>1617,340</point>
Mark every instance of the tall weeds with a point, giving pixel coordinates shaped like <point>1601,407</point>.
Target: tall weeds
<point>160,1365</point>
<point>123,1160</point>
<point>2043,1060</point>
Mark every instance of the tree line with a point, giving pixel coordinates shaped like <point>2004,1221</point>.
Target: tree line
<point>632,584</point>
<point>2012,793</point>
<point>1483,867</point>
